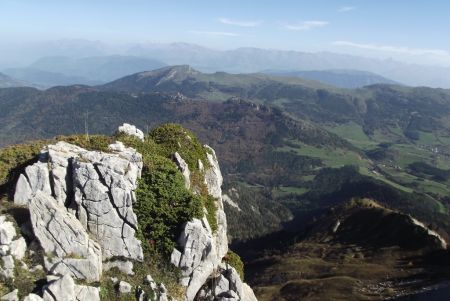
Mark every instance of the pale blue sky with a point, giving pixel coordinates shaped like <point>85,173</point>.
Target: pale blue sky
<point>383,28</point>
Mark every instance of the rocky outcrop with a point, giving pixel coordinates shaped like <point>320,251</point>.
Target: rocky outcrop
<point>82,222</point>
<point>131,130</point>
<point>201,250</point>
<point>80,204</point>
<point>228,285</point>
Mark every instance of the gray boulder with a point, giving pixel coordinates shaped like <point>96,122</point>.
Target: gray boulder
<point>131,130</point>
<point>61,289</point>
<point>7,231</point>
<point>7,267</point>
<point>124,287</point>
<point>125,267</point>
<point>33,297</point>
<point>12,296</point>
<point>35,178</point>
<point>65,289</point>
<point>63,236</point>
<point>18,248</point>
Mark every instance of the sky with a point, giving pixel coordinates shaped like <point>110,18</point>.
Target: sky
<point>411,30</point>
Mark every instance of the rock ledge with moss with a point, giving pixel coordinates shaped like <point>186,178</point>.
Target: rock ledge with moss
<point>104,215</point>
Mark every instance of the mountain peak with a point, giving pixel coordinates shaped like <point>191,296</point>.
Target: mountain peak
<point>170,72</point>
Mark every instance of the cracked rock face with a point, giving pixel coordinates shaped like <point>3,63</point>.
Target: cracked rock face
<point>68,248</point>
<point>74,195</point>
<point>65,288</point>
<point>104,186</point>
<point>202,250</point>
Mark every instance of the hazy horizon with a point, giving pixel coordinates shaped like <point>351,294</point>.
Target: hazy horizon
<point>406,31</point>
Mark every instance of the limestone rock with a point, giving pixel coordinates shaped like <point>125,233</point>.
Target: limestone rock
<point>12,296</point>
<point>62,235</point>
<point>124,287</point>
<point>7,267</point>
<point>175,257</point>
<point>104,186</point>
<point>65,289</point>
<point>213,175</point>
<point>249,295</point>
<point>184,168</point>
<point>32,297</point>
<point>131,130</point>
<point>229,286</point>
<point>7,231</point>
<point>87,293</point>
<point>95,187</point>
<point>198,259</point>
<point>125,267</point>
<point>222,285</point>
<point>61,289</point>
<point>35,178</point>
<point>4,250</point>
<point>18,248</point>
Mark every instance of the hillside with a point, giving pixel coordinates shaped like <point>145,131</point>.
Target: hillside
<point>377,107</point>
<point>357,251</point>
<point>343,78</point>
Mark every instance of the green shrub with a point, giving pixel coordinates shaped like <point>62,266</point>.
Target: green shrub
<point>210,204</point>
<point>94,142</point>
<point>164,204</point>
<point>14,159</point>
<point>235,261</point>
<point>174,138</point>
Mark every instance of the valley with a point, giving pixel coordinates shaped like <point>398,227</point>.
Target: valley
<point>291,150</point>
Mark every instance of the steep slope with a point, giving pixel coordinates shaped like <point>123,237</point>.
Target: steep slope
<point>358,251</point>
<point>119,211</point>
<point>342,78</point>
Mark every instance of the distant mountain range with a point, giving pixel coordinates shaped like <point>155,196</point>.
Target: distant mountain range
<point>349,79</point>
<point>8,82</point>
<point>97,63</point>
<point>249,60</point>
<point>55,71</point>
